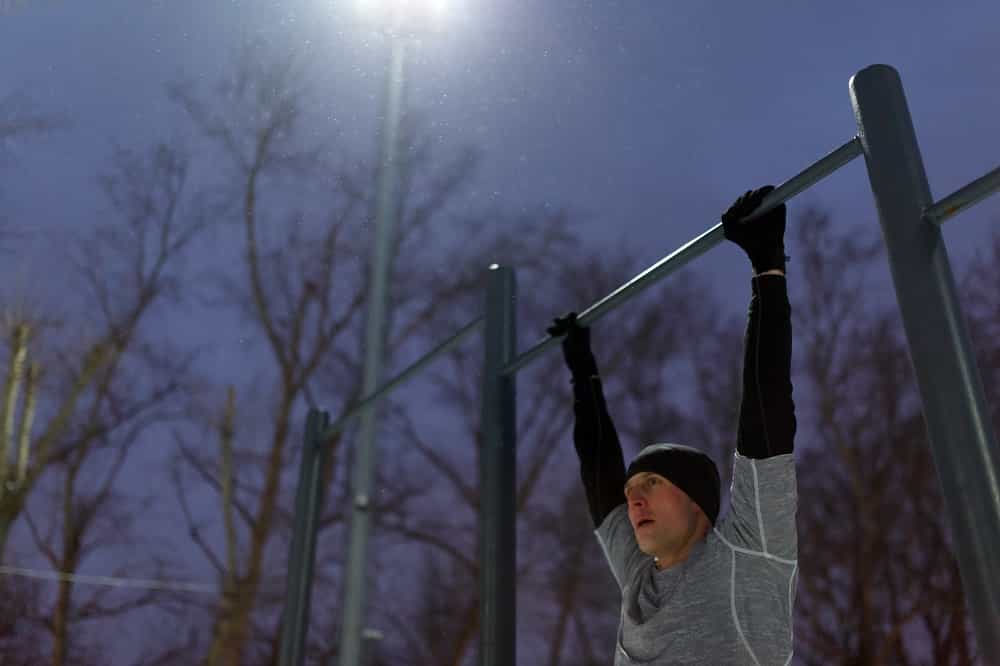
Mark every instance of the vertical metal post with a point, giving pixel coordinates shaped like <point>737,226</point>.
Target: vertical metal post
<point>959,429</point>
<point>364,463</point>
<point>497,475</point>
<point>302,552</point>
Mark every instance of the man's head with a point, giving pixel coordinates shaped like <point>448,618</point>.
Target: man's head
<point>673,498</point>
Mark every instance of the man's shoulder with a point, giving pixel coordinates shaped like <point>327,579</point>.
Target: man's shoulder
<point>619,545</point>
<point>762,507</point>
<point>776,463</point>
<point>613,520</point>
<point>763,477</point>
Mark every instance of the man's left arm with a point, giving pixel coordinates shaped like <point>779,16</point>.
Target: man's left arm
<point>767,412</point>
<point>764,497</point>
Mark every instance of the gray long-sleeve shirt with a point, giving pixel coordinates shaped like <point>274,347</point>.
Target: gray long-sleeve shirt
<point>730,601</point>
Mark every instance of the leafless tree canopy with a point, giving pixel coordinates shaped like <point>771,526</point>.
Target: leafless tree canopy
<point>871,518</point>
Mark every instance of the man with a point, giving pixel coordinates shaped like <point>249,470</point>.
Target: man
<point>696,588</point>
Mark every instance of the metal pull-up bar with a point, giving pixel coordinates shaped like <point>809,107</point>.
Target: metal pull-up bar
<point>962,198</point>
<point>961,440</point>
<point>393,383</point>
<point>680,257</point>
<point>941,211</point>
<point>662,268</point>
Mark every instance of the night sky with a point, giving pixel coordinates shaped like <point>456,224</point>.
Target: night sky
<point>646,118</point>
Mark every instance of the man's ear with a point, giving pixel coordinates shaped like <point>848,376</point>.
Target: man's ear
<point>708,522</point>
<point>701,512</point>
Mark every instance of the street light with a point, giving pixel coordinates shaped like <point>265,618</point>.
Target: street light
<point>410,17</point>
<point>399,20</point>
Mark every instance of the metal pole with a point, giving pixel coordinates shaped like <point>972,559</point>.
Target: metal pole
<point>497,476</point>
<point>960,199</point>
<point>364,463</point>
<point>390,385</point>
<point>962,441</point>
<point>697,247</point>
<point>302,552</point>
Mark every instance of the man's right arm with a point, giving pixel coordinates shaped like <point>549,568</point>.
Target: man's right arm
<point>602,464</point>
<point>602,467</point>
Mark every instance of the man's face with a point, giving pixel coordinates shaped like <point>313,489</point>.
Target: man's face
<point>662,515</point>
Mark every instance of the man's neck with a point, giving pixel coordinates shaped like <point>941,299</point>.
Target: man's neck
<point>667,560</point>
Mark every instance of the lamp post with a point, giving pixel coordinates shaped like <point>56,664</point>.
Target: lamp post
<point>398,18</point>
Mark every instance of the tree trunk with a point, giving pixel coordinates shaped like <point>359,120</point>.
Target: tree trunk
<point>233,620</point>
<point>60,624</point>
<point>230,631</point>
<point>67,563</point>
<point>10,509</point>
<point>567,602</point>
<point>466,635</point>
<point>555,648</point>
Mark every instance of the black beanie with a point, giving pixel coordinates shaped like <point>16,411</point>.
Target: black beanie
<point>687,468</point>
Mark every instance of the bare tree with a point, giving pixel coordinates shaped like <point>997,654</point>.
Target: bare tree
<point>99,401</point>
<point>90,522</point>
<point>578,599</point>
<point>871,515</point>
<point>290,298</point>
<point>303,296</point>
<point>127,266</point>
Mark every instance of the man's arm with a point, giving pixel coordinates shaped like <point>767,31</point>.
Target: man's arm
<point>764,499</point>
<point>602,464</point>
<point>767,413</point>
<point>602,468</point>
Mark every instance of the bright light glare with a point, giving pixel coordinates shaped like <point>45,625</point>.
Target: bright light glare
<point>407,11</point>
<point>369,7</point>
<point>439,8</point>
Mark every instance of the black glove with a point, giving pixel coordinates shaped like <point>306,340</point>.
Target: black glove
<point>576,345</point>
<point>762,239</point>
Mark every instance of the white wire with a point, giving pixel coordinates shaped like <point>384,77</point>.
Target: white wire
<point>49,574</point>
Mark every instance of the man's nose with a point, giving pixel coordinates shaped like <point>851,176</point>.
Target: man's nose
<point>638,499</point>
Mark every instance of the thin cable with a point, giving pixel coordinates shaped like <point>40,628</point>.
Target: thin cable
<point>48,574</point>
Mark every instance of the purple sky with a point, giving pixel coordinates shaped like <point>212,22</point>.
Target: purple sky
<point>649,117</point>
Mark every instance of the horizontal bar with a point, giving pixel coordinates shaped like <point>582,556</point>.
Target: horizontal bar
<point>697,247</point>
<point>960,199</point>
<point>111,581</point>
<point>339,424</point>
